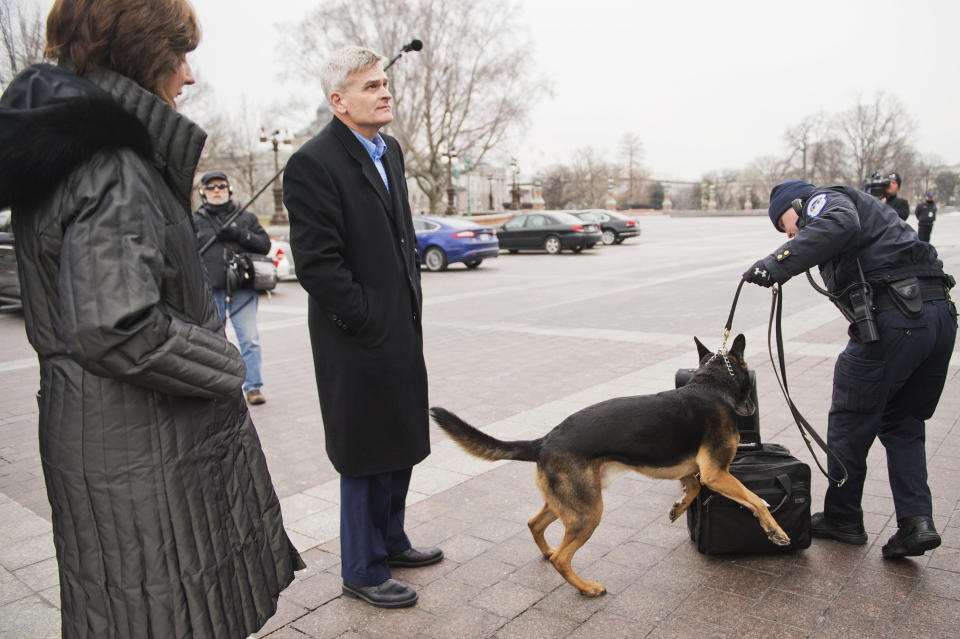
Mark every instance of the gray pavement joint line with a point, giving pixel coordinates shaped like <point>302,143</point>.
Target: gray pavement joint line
<point>615,291</point>
<point>19,364</point>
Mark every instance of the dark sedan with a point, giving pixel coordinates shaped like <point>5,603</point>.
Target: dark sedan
<point>444,240</point>
<point>551,231</point>
<point>615,227</point>
<point>9,280</point>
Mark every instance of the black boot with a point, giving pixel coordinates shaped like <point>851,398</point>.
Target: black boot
<point>848,532</point>
<point>915,536</point>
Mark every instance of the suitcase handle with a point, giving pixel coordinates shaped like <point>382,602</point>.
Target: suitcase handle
<point>784,481</point>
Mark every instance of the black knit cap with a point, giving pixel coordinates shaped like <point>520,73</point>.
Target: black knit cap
<point>783,195</point>
<point>213,175</point>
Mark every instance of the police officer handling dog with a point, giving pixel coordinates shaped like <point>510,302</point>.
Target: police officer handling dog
<point>889,378</point>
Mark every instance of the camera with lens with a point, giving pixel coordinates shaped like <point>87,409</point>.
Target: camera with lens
<point>876,185</point>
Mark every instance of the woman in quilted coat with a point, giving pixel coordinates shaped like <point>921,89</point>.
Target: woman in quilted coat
<point>165,520</point>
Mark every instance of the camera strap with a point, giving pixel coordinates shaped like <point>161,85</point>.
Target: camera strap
<point>807,431</point>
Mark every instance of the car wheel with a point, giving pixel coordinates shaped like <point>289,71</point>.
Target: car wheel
<point>552,245</point>
<point>435,259</point>
<point>577,249</point>
<point>473,263</point>
<point>609,237</point>
<point>619,240</point>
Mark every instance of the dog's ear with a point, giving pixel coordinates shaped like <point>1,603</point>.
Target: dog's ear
<point>739,344</point>
<point>746,407</point>
<point>702,351</point>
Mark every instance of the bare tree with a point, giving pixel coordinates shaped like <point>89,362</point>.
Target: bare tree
<point>631,150</point>
<point>766,172</point>
<point>876,135</point>
<point>21,37</point>
<point>589,175</point>
<point>468,89</point>
<point>557,191</point>
<point>946,182</point>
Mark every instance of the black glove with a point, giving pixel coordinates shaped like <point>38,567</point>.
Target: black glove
<point>230,234</point>
<point>759,274</point>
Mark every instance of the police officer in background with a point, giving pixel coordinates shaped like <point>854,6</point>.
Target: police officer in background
<point>889,378</point>
<point>243,235</point>
<point>898,204</point>
<point>926,213</point>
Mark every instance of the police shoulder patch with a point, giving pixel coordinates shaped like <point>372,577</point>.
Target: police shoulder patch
<point>816,205</point>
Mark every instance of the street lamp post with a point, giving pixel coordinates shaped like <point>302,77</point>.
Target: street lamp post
<point>515,191</point>
<point>276,138</point>
<point>451,191</point>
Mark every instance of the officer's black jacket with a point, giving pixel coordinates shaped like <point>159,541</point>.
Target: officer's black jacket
<point>926,212</point>
<point>900,205</point>
<point>208,220</point>
<point>848,225</point>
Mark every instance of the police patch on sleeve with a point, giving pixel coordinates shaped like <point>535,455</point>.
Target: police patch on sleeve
<point>816,205</point>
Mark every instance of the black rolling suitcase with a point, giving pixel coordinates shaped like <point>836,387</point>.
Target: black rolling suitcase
<point>721,526</point>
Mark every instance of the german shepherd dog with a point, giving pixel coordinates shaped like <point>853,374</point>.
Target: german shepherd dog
<point>676,434</point>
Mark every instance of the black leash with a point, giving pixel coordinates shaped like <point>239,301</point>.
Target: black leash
<point>807,431</point>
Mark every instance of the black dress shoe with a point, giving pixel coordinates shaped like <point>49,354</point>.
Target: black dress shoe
<point>416,557</point>
<point>389,594</point>
<point>915,536</point>
<point>848,532</point>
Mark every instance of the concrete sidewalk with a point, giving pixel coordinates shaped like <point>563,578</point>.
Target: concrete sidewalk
<point>548,335</point>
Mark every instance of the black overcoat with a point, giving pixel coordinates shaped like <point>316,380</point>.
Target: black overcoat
<point>355,251</point>
<point>165,521</point>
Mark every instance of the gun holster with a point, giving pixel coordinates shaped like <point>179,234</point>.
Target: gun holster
<point>906,296</point>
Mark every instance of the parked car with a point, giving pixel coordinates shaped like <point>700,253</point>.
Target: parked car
<point>551,231</point>
<point>441,241</point>
<point>282,258</point>
<point>9,280</point>
<point>615,227</point>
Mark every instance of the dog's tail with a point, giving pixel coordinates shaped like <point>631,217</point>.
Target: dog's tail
<point>482,445</point>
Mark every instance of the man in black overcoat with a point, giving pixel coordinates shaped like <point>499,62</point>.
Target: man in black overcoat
<point>352,238</point>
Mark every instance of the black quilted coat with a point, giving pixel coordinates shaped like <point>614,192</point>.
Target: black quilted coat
<point>165,520</point>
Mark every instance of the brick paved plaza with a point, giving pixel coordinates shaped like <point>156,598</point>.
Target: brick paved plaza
<point>513,347</point>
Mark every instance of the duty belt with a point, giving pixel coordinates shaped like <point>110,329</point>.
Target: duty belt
<point>931,288</point>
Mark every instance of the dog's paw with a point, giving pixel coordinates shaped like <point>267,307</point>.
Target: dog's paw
<point>778,537</point>
<point>549,553</point>
<point>592,589</point>
<point>676,511</point>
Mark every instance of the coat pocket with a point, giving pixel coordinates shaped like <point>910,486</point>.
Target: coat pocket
<point>858,384</point>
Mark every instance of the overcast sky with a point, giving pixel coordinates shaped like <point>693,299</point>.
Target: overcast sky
<point>706,85</point>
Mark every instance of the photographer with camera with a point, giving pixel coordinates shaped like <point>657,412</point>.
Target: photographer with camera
<point>225,269</point>
<point>885,189</point>
<point>888,380</point>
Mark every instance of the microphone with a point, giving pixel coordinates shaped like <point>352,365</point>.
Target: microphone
<point>415,45</point>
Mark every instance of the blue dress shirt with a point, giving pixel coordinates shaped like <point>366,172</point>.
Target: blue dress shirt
<point>375,149</point>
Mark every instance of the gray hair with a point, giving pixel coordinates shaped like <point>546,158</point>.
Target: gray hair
<point>334,75</point>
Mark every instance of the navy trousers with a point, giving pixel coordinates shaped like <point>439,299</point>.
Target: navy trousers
<point>371,525</point>
<point>886,390</point>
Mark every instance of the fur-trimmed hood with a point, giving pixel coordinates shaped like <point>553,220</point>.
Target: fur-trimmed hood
<point>52,120</point>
